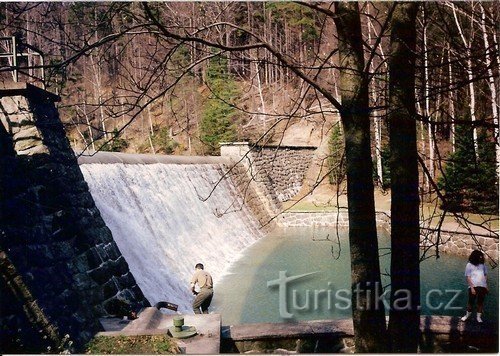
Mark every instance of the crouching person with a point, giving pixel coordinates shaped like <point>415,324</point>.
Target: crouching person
<point>205,284</point>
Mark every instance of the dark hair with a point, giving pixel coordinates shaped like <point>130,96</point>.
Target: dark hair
<point>476,257</point>
<point>199,265</point>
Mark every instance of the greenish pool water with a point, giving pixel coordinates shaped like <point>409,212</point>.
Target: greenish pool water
<point>243,294</point>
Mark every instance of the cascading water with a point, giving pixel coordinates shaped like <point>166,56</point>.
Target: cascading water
<point>163,226</point>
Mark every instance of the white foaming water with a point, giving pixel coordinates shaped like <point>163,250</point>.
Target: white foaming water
<point>163,227</point>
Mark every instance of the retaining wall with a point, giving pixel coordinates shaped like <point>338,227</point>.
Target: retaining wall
<point>459,242</point>
<point>280,170</point>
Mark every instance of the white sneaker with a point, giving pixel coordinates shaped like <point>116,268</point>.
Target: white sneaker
<point>478,318</point>
<point>466,316</point>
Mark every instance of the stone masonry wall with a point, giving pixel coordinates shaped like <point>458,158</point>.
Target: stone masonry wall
<point>452,242</point>
<point>262,208</point>
<point>51,230</point>
<point>277,172</point>
<point>284,166</point>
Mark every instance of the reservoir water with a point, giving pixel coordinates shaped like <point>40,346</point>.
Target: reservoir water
<point>244,296</point>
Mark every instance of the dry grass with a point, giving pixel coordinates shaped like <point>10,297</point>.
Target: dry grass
<point>132,345</point>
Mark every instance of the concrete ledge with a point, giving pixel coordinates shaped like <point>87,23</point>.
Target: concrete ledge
<point>438,334</point>
<point>344,327</point>
<point>266,331</point>
<point>132,158</point>
<point>27,90</point>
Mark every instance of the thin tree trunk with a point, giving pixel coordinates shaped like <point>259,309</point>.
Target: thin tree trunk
<point>430,126</point>
<point>96,69</point>
<point>259,88</point>
<point>452,102</point>
<point>368,312</point>
<point>404,323</point>
<point>426,182</point>
<point>497,47</point>
<point>91,135</point>
<point>493,89</point>
<point>152,132</point>
<point>376,113</point>
<point>470,77</point>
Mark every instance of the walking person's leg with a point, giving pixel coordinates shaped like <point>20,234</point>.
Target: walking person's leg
<point>470,303</point>
<point>200,299</point>
<point>481,294</point>
<point>206,302</point>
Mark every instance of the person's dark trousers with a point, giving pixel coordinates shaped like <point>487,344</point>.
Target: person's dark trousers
<point>203,300</point>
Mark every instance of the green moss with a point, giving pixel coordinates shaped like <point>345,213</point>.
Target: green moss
<point>143,344</point>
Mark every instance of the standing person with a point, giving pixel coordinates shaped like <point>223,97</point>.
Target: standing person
<point>204,296</point>
<point>475,274</point>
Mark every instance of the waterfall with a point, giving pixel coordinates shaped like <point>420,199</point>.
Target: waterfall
<point>163,226</point>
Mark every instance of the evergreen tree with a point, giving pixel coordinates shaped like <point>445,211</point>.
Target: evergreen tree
<point>219,115</point>
<point>336,161</point>
<point>470,184</point>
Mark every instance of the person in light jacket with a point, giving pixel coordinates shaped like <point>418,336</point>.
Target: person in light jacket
<point>476,276</point>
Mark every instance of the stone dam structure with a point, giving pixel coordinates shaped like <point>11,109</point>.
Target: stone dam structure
<point>80,236</point>
<point>61,267</point>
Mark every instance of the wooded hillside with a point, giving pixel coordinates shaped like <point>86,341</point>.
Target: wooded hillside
<point>128,84</point>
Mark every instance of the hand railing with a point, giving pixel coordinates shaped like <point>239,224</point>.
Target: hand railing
<point>23,60</point>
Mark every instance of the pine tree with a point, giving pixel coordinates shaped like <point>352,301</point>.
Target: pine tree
<point>219,115</point>
<point>470,183</point>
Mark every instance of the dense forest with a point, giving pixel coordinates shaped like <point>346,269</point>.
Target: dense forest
<point>406,95</point>
<point>125,87</point>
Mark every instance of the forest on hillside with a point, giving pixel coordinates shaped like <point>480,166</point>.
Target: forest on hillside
<point>125,86</point>
<point>404,93</point>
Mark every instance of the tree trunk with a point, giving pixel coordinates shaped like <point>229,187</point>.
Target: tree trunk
<point>452,102</point>
<point>368,311</point>
<point>376,113</point>
<point>430,126</point>
<point>493,89</point>
<point>404,318</point>
<point>470,77</point>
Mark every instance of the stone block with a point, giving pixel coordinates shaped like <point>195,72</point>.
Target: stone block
<point>110,288</point>
<point>27,143</point>
<point>39,255</point>
<point>126,281</point>
<point>14,104</point>
<point>102,273</point>
<point>82,281</point>
<point>68,301</point>
<point>120,267</point>
<point>29,132</point>
<point>32,151</point>
<point>95,296</point>
<point>94,258</point>
<point>62,250</point>
<point>108,269</point>
<point>80,263</point>
<point>112,250</point>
